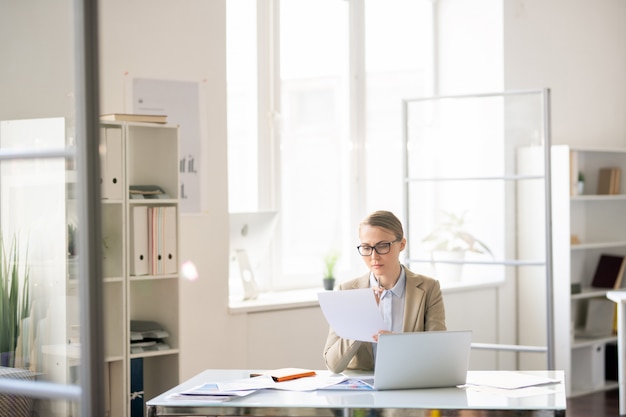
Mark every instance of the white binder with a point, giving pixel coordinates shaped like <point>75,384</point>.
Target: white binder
<point>139,241</point>
<point>162,240</point>
<point>111,163</point>
<point>170,258</point>
<point>155,240</point>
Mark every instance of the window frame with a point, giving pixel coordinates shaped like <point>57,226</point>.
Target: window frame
<point>269,112</point>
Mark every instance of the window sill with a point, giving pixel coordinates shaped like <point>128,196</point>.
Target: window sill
<point>276,300</point>
<point>462,286</point>
<point>305,298</point>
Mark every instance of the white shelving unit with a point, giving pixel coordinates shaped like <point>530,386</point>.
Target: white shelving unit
<point>598,225</point>
<point>137,154</point>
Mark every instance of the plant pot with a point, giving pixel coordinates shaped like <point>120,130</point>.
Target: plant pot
<point>7,359</point>
<point>16,405</point>
<point>448,272</point>
<point>329,284</point>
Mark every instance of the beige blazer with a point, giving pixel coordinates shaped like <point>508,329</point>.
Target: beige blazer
<point>423,311</point>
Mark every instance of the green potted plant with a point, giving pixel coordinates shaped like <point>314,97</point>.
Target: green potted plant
<point>448,243</point>
<point>14,300</point>
<point>14,311</point>
<point>581,182</point>
<point>330,261</point>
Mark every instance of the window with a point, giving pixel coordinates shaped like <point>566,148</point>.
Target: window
<point>315,126</point>
<point>314,120</point>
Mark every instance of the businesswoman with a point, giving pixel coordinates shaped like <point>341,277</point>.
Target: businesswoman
<point>408,302</point>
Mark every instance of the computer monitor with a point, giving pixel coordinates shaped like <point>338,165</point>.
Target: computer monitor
<point>250,237</point>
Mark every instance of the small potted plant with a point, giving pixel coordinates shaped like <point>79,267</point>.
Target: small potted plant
<point>14,312</point>
<point>449,242</point>
<point>581,182</point>
<point>14,301</point>
<point>330,261</point>
<point>450,235</point>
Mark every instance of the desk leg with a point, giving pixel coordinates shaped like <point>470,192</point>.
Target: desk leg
<point>621,359</point>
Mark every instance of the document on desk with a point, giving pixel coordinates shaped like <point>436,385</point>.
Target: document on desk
<point>352,314</point>
<point>310,383</point>
<point>507,380</point>
<point>209,392</point>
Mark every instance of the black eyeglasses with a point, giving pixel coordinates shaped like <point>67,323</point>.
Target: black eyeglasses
<point>381,248</point>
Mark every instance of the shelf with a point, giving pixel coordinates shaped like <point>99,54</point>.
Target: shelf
<point>154,353</point>
<point>152,201</point>
<point>592,149</point>
<point>112,201</point>
<point>598,197</point>
<point>580,342</point>
<point>150,125</point>
<point>152,277</point>
<point>599,245</point>
<point>589,292</point>
<point>138,153</point>
<point>598,221</point>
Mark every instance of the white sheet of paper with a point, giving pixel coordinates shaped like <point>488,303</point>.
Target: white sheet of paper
<point>352,314</point>
<point>309,383</point>
<point>507,380</point>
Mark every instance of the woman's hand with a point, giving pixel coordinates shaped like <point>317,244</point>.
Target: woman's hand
<point>379,333</point>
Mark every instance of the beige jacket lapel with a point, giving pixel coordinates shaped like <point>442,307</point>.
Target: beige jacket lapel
<point>413,303</point>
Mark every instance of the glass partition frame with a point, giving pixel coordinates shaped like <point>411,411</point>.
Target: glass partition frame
<point>65,361</point>
<point>481,162</point>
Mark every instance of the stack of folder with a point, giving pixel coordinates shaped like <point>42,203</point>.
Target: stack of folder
<point>153,240</point>
<point>146,336</point>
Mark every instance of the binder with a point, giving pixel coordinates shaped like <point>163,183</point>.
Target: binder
<point>136,387</point>
<point>155,240</point>
<point>609,271</point>
<point>170,240</point>
<point>162,240</point>
<point>139,241</point>
<point>111,161</point>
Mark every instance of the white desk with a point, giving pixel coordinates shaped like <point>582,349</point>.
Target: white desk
<point>620,298</point>
<point>545,401</point>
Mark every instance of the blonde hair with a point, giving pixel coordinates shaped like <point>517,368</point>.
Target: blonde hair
<point>385,220</point>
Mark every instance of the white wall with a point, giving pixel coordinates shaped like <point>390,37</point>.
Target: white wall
<point>37,71</point>
<point>470,46</point>
<point>575,47</point>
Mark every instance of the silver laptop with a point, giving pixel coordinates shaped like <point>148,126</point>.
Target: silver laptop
<point>422,360</point>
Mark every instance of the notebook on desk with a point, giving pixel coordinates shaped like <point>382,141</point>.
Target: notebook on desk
<point>422,360</point>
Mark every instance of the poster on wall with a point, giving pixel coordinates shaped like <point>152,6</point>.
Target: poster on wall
<point>179,100</point>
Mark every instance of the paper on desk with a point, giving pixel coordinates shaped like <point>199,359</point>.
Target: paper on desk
<point>352,314</point>
<point>507,380</point>
<point>213,390</point>
<point>310,383</point>
<point>200,398</point>
<point>474,391</point>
